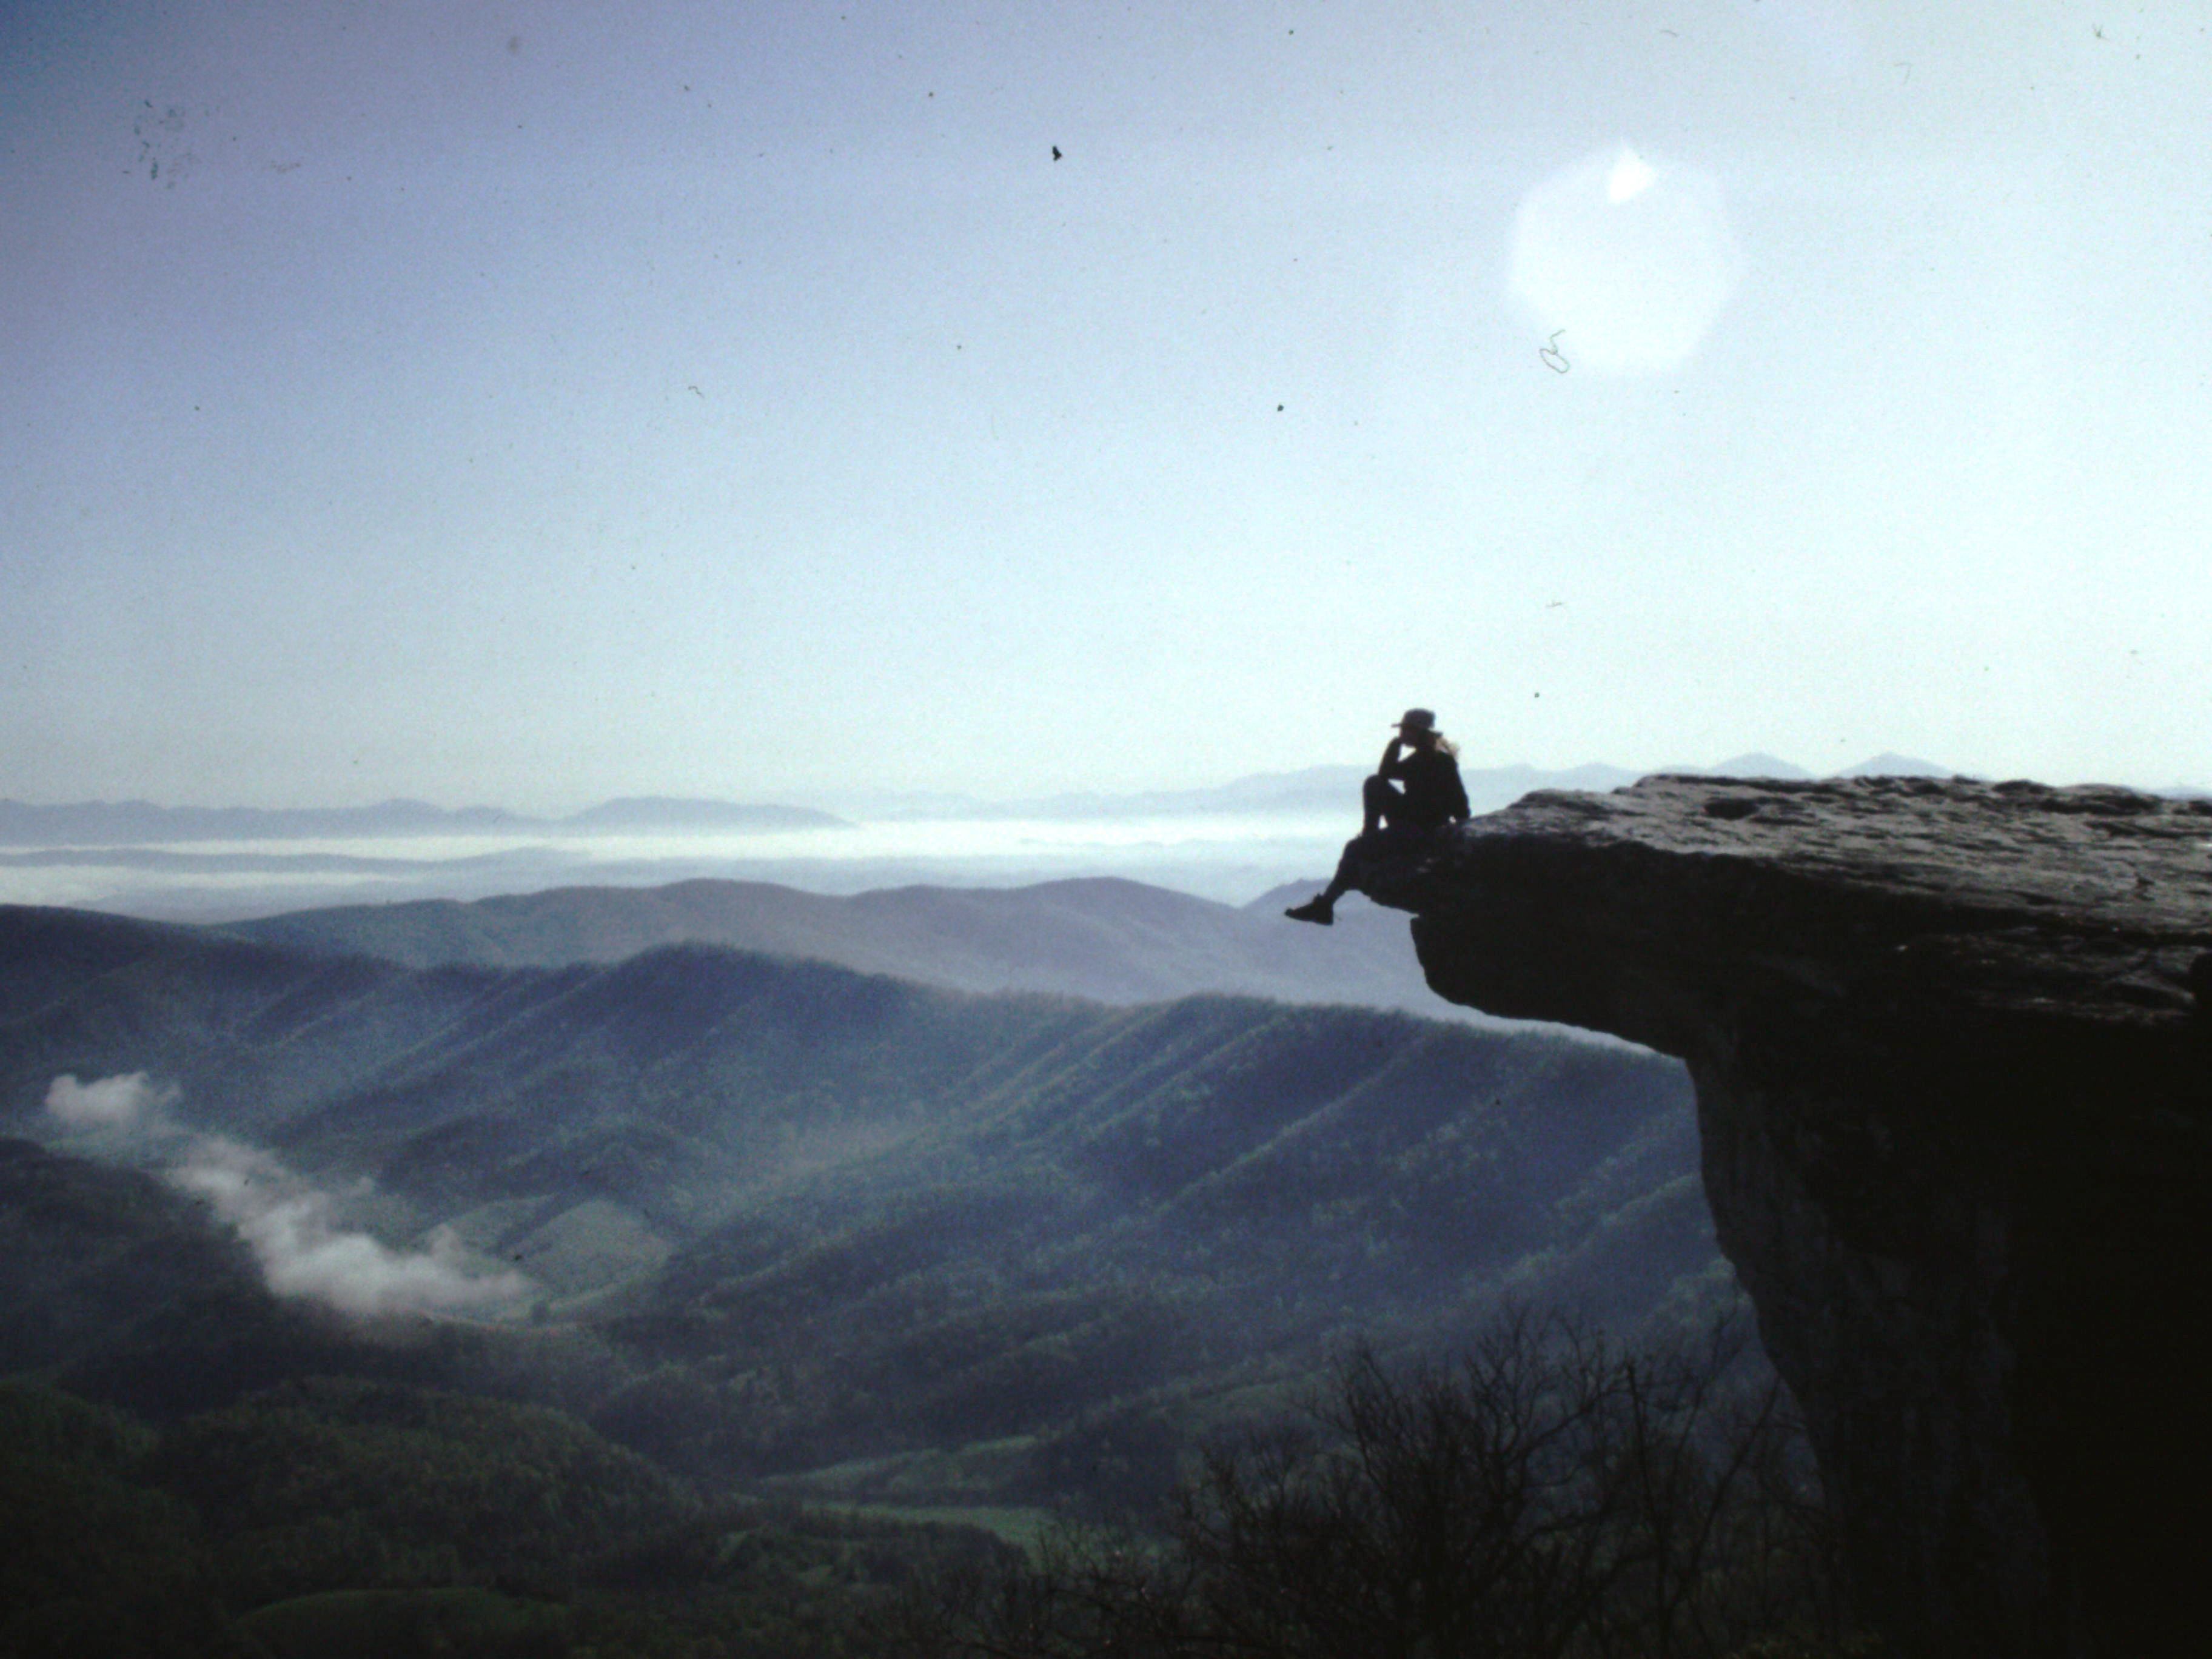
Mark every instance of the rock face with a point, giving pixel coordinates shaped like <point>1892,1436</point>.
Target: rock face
<point>1954,1082</point>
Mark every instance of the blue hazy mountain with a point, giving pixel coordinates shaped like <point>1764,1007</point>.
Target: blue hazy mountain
<point>1890,765</point>
<point>1754,765</point>
<point>1313,789</point>
<point>138,822</point>
<point>1316,789</point>
<point>1110,940</point>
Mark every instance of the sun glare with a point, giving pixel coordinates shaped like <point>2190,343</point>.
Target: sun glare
<point>1625,262</point>
<point>1631,174</point>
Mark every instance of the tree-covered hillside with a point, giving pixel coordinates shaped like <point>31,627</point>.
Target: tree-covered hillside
<point>1113,941</point>
<point>328,1518</point>
<point>776,1220</point>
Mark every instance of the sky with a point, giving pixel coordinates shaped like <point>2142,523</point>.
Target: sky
<point>537,403</point>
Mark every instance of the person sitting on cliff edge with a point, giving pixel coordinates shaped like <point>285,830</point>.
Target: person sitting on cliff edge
<point>1427,766</point>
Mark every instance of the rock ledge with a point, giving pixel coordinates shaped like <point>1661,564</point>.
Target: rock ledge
<point>1955,1087</point>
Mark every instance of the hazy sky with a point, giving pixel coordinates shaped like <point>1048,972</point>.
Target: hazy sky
<point>533,404</point>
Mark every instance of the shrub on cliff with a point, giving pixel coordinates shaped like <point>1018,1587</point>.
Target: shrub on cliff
<point>1547,1497</point>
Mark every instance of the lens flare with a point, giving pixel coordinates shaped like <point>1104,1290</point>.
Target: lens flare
<point>1629,259</point>
<point>1629,177</point>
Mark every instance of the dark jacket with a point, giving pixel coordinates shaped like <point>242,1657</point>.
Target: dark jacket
<point>1434,794</point>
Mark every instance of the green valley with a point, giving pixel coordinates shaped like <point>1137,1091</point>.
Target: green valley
<point>751,1236</point>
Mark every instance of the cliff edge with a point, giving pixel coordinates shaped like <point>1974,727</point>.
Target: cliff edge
<point>1954,1066</point>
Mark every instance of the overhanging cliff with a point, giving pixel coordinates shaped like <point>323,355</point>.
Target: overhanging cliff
<point>1954,1088</point>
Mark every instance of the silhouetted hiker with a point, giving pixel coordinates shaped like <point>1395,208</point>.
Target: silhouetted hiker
<point>1420,759</point>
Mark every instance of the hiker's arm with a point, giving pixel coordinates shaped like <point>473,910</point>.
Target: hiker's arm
<point>1388,768</point>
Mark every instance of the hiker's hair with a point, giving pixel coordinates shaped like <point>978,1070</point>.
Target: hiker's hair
<point>1441,743</point>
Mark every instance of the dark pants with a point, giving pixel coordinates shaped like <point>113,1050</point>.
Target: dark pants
<point>1382,804</point>
<point>1381,801</point>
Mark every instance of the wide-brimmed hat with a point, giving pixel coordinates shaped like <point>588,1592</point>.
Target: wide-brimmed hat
<point>1419,720</point>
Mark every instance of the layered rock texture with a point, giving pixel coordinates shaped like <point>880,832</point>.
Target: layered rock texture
<point>1954,1066</point>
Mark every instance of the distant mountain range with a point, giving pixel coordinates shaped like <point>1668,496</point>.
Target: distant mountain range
<point>137,822</point>
<point>1320,789</point>
<point>1313,789</point>
<point>1113,940</point>
<point>207,865</point>
<point>1326,789</point>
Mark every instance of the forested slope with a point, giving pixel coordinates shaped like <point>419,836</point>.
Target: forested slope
<point>1111,940</point>
<point>796,1215</point>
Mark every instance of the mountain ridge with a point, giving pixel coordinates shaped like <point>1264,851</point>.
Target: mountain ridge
<point>850,1215</point>
<point>137,822</point>
<point>1322,788</point>
<point>1104,938</point>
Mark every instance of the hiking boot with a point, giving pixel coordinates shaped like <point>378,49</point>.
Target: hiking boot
<point>1316,909</point>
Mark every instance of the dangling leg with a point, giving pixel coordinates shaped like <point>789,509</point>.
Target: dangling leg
<point>1322,907</point>
<point>1378,799</point>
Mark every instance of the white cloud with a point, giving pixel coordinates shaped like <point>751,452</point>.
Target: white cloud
<point>128,1102</point>
<point>290,1224</point>
<point>303,1252</point>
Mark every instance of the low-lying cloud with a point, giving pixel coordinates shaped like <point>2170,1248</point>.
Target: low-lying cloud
<point>128,1102</point>
<point>292,1226</point>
